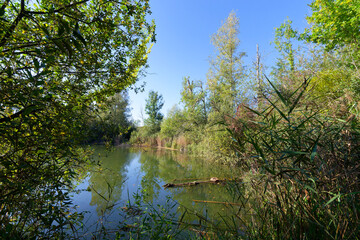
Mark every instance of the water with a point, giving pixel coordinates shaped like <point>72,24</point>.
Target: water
<point>105,189</point>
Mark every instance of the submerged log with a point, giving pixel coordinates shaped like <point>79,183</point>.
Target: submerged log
<point>212,180</point>
<point>180,184</point>
<point>225,203</point>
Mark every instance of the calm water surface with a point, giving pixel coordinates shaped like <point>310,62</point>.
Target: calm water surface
<point>122,172</point>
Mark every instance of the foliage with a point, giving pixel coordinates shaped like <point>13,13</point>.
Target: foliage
<point>154,103</point>
<point>299,148</point>
<point>57,58</point>
<point>283,43</point>
<point>226,75</point>
<point>307,160</point>
<point>146,221</point>
<point>334,23</point>
<point>194,98</point>
<point>172,125</point>
<point>112,123</point>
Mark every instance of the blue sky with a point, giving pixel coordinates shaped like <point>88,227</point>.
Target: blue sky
<point>183,47</point>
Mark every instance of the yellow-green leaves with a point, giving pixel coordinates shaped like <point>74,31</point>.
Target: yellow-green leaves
<point>335,22</point>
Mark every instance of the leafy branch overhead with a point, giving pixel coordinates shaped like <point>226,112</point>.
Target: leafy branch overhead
<point>59,61</point>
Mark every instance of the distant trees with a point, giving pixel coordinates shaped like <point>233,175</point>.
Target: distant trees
<point>112,122</point>
<point>174,124</point>
<point>148,133</point>
<point>154,104</point>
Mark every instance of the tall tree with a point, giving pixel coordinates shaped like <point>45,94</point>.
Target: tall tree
<point>154,103</point>
<point>173,125</point>
<point>193,96</point>
<point>57,59</point>
<point>284,35</point>
<point>226,76</point>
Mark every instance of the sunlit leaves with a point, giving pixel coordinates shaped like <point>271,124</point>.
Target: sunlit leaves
<point>335,22</point>
<point>58,58</point>
<point>154,104</point>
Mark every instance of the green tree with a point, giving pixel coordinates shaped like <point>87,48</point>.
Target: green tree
<point>289,71</point>
<point>58,59</point>
<point>193,96</point>
<point>284,37</point>
<point>111,123</point>
<point>226,77</point>
<point>173,125</point>
<point>154,103</point>
<point>334,23</point>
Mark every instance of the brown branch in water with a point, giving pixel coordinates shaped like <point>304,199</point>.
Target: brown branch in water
<point>186,179</point>
<point>212,180</point>
<point>225,203</point>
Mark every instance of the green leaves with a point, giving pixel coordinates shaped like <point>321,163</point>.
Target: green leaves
<point>334,23</point>
<point>57,61</point>
<point>154,103</point>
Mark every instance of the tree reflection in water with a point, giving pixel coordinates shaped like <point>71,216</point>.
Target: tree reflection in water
<point>124,171</point>
<point>106,181</point>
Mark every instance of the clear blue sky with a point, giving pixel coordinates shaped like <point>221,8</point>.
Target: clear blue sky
<point>183,47</point>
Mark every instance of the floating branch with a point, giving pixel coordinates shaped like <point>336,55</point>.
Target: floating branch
<point>226,203</point>
<point>212,180</point>
<point>187,179</point>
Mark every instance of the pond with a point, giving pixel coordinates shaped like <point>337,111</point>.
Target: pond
<point>105,190</point>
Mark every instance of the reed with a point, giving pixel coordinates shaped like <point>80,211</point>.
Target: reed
<point>308,162</point>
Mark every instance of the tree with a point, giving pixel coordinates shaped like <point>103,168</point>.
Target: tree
<point>111,124</point>
<point>284,35</point>
<point>193,96</point>
<point>58,61</point>
<point>173,125</point>
<point>226,75</point>
<point>154,103</point>
<point>334,23</point>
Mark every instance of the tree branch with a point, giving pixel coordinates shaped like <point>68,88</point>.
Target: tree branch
<point>18,114</point>
<point>58,10</point>
<point>14,24</point>
<point>4,5</point>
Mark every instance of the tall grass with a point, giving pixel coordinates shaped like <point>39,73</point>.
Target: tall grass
<point>306,163</point>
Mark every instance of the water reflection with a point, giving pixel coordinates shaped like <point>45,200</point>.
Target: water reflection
<point>123,172</point>
<point>106,180</point>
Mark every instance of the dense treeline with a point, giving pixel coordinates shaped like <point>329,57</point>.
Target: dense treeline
<point>327,72</point>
